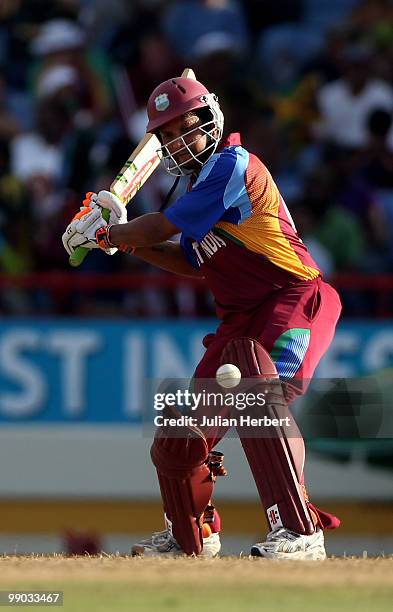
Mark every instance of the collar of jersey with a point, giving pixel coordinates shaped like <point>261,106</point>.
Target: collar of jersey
<point>231,140</point>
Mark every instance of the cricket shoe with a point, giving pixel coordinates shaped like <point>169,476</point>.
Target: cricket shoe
<point>284,544</point>
<point>163,544</point>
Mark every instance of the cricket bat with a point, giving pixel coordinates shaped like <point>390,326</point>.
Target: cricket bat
<point>133,175</point>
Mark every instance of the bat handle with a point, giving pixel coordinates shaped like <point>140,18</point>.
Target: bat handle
<point>78,256</point>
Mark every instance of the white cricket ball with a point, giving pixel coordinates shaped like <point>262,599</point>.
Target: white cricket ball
<point>228,375</point>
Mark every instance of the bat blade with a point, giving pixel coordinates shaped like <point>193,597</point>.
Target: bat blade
<point>137,169</point>
<point>135,172</point>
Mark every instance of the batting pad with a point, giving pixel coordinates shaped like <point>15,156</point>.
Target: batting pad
<point>276,453</point>
<point>185,482</point>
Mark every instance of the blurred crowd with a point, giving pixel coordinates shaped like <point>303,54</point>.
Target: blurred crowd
<point>308,83</point>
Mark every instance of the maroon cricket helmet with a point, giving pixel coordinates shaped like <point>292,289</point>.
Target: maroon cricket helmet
<point>172,99</point>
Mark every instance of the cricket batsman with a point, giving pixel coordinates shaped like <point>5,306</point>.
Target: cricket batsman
<point>277,317</point>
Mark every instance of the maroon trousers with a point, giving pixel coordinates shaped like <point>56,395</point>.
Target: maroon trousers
<point>313,306</point>
<point>308,311</point>
<point>295,326</point>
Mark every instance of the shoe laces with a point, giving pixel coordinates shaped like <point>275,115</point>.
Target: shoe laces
<point>279,533</point>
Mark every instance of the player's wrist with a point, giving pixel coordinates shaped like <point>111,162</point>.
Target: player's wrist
<point>116,236</point>
<point>103,238</point>
<point>104,241</point>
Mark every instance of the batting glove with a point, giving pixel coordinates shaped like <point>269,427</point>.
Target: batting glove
<point>83,229</point>
<point>106,199</point>
<point>118,214</point>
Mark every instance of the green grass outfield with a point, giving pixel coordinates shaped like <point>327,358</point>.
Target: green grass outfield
<point>117,584</point>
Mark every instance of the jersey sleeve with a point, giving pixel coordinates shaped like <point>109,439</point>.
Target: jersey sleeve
<point>220,187</point>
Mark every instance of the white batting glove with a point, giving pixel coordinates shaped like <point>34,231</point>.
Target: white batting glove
<point>106,199</point>
<point>82,231</point>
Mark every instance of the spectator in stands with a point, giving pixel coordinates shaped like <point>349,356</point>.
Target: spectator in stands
<point>326,64</point>
<point>15,219</point>
<point>377,160</point>
<point>103,20</point>
<point>16,255</point>
<point>185,21</point>
<point>307,223</point>
<point>356,197</point>
<point>328,224</point>
<point>154,60</point>
<point>217,59</point>
<point>345,104</point>
<point>62,43</point>
<point>46,159</point>
<point>281,52</point>
<point>19,22</point>
<point>377,170</point>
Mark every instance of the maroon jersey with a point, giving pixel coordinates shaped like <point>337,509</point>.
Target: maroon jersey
<point>238,231</point>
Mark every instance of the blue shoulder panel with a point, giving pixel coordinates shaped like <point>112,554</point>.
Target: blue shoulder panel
<point>219,187</point>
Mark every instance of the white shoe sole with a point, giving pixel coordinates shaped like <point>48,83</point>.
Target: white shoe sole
<point>317,554</point>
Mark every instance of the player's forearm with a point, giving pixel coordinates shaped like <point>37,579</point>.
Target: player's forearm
<point>145,230</point>
<point>167,256</point>
<point>147,235</point>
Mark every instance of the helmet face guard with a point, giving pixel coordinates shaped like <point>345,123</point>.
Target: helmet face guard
<point>180,169</point>
<point>184,143</point>
<point>175,98</point>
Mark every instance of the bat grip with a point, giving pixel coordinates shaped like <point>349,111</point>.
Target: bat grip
<point>77,257</point>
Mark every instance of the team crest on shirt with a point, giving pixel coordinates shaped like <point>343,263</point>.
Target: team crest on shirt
<point>162,102</point>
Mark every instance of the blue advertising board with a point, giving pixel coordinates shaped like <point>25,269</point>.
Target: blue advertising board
<point>94,371</point>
